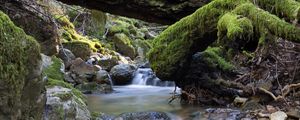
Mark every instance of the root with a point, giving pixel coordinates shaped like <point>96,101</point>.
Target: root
<point>285,91</point>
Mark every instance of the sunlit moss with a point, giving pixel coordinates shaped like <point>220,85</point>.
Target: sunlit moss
<point>53,71</point>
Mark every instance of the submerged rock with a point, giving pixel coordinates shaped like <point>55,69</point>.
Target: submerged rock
<point>122,74</point>
<point>143,116</point>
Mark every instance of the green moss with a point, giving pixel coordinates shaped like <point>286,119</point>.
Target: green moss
<point>174,45</point>
<point>124,45</point>
<point>177,43</point>
<point>20,54</point>
<point>266,22</point>
<point>64,97</point>
<point>234,27</point>
<point>119,27</point>
<point>213,57</point>
<point>53,71</point>
<point>72,38</point>
<point>53,82</point>
<point>287,8</point>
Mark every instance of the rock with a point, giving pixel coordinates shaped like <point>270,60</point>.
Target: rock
<point>103,77</point>
<point>123,45</point>
<point>279,115</point>
<point>35,21</point>
<point>122,74</point>
<point>82,69</point>
<point>220,113</point>
<point>56,69</point>
<point>271,109</point>
<point>62,103</point>
<point>294,113</point>
<point>94,88</point>
<point>47,61</point>
<point>67,56</point>
<point>239,101</point>
<point>21,85</point>
<point>80,49</point>
<point>143,116</point>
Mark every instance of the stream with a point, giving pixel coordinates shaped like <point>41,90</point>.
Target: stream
<point>146,93</point>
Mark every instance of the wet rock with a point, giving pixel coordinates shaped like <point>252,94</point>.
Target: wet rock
<point>122,74</point>
<point>143,116</point>
<point>103,77</point>
<point>227,114</point>
<point>94,88</point>
<point>123,45</point>
<point>279,115</point>
<point>62,103</point>
<point>67,56</point>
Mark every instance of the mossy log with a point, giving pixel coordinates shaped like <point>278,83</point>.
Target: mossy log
<point>232,19</point>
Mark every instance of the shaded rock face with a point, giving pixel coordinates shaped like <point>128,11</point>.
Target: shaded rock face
<point>122,74</point>
<point>35,21</point>
<point>143,116</point>
<point>21,84</point>
<point>165,12</point>
<point>62,104</point>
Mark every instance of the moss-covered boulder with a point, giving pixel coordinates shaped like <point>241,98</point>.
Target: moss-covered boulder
<point>20,77</point>
<point>124,45</point>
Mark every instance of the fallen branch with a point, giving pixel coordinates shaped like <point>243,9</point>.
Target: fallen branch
<point>285,91</point>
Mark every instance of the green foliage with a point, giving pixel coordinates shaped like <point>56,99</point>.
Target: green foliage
<point>53,71</point>
<point>64,96</point>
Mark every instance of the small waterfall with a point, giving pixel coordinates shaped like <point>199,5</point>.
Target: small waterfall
<point>145,76</point>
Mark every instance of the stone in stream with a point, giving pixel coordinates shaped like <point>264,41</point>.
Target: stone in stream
<point>102,77</point>
<point>122,74</point>
<point>143,116</point>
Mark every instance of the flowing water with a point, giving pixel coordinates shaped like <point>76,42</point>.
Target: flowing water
<point>146,93</point>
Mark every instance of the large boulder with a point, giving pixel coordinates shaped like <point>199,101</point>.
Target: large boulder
<point>21,84</point>
<point>123,45</point>
<point>122,74</point>
<point>35,21</point>
<point>63,104</point>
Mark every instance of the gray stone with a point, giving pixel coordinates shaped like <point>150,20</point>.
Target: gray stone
<point>122,74</point>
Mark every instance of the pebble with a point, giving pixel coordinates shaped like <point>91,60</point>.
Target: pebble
<point>279,115</point>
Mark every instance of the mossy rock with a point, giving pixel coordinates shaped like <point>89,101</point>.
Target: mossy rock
<point>123,45</point>
<point>82,49</point>
<point>54,70</point>
<point>20,68</point>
